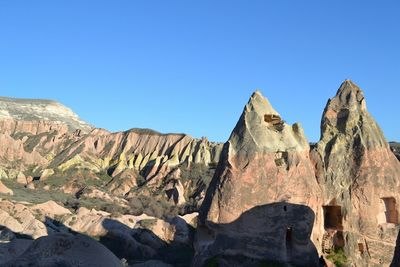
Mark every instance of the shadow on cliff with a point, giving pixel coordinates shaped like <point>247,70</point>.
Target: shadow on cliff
<point>140,244</point>
<point>277,233</point>
<point>396,257</point>
<point>132,246</point>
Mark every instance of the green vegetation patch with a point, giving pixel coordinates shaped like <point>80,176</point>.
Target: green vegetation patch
<point>338,257</point>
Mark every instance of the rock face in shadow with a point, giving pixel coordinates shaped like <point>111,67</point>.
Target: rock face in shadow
<point>278,232</point>
<point>265,161</point>
<point>395,147</point>
<point>360,178</point>
<point>65,250</point>
<point>396,257</point>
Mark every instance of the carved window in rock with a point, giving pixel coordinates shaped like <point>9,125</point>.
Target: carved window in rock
<point>390,213</point>
<point>275,121</point>
<point>333,218</point>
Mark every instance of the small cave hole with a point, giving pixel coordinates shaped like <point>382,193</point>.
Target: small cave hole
<point>361,248</point>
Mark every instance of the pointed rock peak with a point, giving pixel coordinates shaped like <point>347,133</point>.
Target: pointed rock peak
<point>261,128</point>
<point>348,87</point>
<point>347,115</point>
<point>260,104</point>
<point>349,95</point>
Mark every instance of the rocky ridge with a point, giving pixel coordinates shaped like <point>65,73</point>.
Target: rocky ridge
<point>38,110</point>
<point>42,141</point>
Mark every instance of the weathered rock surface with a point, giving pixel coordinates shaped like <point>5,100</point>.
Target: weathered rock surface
<point>50,209</point>
<point>272,198</point>
<point>134,238</point>
<point>36,116</point>
<point>20,219</point>
<point>42,140</point>
<point>360,178</point>
<point>263,200</point>
<point>150,154</point>
<point>65,250</point>
<point>5,190</point>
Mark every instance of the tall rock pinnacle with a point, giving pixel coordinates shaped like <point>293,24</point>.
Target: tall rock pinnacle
<point>264,176</point>
<point>360,180</point>
<point>347,113</point>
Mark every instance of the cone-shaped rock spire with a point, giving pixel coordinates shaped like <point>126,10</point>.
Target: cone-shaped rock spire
<point>264,176</point>
<point>359,175</point>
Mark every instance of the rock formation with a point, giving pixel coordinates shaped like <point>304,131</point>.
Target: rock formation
<point>360,178</point>
<point>266,196</point>
<point>42,140</point>
<point>5,190</point>
<point>263,200</point>
<point>347,188</point>
<point>134,238</point>
<point>37,116</point>
<point>65,250</point>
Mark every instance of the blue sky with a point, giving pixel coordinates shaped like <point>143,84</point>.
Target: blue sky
<point>190,66</point>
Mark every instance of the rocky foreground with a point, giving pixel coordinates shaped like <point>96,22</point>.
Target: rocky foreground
<point>74,195</point>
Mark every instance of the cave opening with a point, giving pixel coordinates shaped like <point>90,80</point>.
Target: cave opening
<point>333,217</point>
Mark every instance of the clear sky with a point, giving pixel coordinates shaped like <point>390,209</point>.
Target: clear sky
<point>190,66</point>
